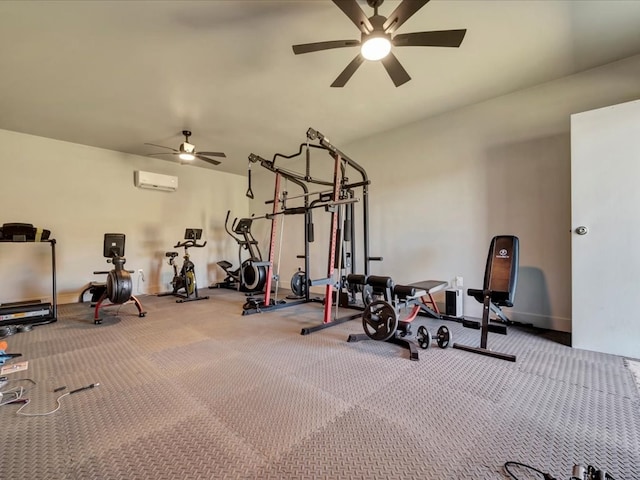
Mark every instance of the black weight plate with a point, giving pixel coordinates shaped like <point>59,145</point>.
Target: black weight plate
<point>379,320</point>
<point>444,337</point>
<point>299,284</point>
<point>424,337</point>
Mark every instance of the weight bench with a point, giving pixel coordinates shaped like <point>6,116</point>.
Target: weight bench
<point>380,317</point>
<point>499,288</point>
<point>428,305</point>
<point>424,291</point>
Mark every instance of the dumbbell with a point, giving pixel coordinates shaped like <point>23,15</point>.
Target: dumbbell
<point>424,338</point>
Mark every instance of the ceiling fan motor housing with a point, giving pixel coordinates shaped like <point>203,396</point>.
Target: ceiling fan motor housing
<point>187,148</point>
<point>374,3</point>
<point>377,22</point>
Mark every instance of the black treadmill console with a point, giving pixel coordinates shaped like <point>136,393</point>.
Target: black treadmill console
<point>23,232</point>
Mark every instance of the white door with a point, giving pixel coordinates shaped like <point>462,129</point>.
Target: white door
<point>605,200</point>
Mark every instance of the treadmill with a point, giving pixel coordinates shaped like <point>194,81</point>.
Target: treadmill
<point>33,311</point>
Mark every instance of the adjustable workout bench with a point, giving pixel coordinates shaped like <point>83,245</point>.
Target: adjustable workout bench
<point>380,317</point>
<point>499,288</point>
<point>429,287</point>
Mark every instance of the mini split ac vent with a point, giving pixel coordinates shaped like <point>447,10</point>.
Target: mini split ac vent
<point>155,181</point>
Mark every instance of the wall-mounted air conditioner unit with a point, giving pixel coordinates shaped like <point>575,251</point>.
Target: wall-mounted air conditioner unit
<point>155,181</point>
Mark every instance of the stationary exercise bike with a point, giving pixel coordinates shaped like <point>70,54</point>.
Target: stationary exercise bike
<point>118,287</point>
<point>251,275</point>
<point>185,279</point>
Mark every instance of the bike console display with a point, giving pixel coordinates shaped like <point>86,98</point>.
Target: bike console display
<point>193,234</point>
<point>243,226</point>
<point>113,245</point>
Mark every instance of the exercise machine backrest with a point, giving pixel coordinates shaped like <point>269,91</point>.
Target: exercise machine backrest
<point>501,272</point>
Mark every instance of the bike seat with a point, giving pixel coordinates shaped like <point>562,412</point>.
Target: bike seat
<point>171,254</point>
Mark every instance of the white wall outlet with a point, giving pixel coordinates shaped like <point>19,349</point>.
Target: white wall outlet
<point>459,281</point>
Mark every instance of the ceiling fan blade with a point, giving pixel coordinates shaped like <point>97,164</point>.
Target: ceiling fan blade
<point>444,38</point>
<point>396,71</point>
<point>352,10</point>
<point>317,46</point>
<point>402,13</point>
<point>161,153</point>
<point>212,154</point>
<point>161,146</point>
<point>348,72</point>
<point>208,160</point>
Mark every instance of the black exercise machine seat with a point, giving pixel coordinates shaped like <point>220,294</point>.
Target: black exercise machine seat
<point>501,273</point>
<point>500,280</point>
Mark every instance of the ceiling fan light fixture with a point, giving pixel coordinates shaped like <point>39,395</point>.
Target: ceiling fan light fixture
<point>187,151</point>
<point>376,47</point>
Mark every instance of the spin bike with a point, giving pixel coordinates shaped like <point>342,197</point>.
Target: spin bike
<point>186,279</point>
<point>251,275</point>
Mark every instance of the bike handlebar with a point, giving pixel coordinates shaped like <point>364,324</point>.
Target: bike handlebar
<point>233,226</point>
<point>189,244</point>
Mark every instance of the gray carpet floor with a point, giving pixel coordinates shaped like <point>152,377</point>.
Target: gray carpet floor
<point>198,391</point>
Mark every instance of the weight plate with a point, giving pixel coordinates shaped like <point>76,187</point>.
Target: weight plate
<point>299,284</point>
<point>379,320</point>
<point>423,337</point>
<point>444,337</point>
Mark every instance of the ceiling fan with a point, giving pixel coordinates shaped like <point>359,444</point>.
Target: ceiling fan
<point>376,38</point>
<point>187,151</point>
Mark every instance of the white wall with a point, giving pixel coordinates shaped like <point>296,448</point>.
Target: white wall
<point>442,187</point>
<point>80,193</point>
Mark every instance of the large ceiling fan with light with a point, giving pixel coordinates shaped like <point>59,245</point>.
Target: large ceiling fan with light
<point>377,39</point>
<point>186,152</point>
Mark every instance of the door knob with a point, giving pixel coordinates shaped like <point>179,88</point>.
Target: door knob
<point>582,230</point>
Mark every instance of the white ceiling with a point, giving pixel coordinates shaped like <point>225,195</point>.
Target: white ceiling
<point>117,74</point>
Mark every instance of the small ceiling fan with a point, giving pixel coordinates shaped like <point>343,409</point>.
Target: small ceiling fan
<point>376,38</point>
<point>187,151</point>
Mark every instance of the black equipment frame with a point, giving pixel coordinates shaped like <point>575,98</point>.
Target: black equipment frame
<point>117,289</point>
<point>190,235</point>
<point>235,278</point>
<point>30,312</point>
<point>341,193</point>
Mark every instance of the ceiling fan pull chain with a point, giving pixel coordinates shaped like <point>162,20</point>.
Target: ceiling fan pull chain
<point>249,191</point>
